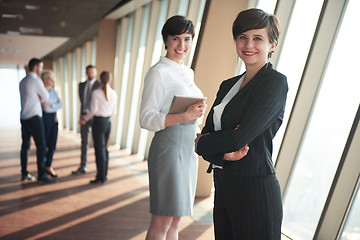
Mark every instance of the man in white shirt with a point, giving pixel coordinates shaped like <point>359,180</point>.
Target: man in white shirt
<point>32,93</point>
<point>85,90</point>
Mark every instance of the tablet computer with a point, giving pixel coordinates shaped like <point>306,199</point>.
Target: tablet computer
<point>181,103</point>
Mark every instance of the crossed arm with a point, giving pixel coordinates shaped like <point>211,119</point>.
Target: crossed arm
<point>231,156</point>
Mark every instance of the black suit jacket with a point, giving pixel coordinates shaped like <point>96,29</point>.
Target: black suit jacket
<point>258,109</point>
<point>82,92</point>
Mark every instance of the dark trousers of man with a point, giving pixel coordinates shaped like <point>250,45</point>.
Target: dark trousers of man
<point>51,134</point>
<point>85,137</point>
<point>101,131</point>
<point>33,127</point>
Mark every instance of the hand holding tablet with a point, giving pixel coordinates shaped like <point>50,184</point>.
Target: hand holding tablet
<point>181,103</point>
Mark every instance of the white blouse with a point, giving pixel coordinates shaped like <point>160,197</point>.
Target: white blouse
<point>99,106</point>
<point>164,80</point>
<point>219,109</point>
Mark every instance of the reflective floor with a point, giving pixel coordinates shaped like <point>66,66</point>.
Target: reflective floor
<point>74,209</point>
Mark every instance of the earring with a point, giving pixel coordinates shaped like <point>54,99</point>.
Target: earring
<point>270,54</point>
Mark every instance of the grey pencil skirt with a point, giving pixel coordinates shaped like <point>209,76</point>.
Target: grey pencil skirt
<point>172,166</point>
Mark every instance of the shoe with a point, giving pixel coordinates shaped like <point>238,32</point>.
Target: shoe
<point>46,180</point>
<point>97,181</point>
<point>51,172</point>
<point>27,177</point>
<point>79,171</point>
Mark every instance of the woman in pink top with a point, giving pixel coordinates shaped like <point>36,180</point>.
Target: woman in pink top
<point>103,106</point>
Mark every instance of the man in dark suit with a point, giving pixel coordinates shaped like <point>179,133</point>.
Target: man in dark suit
<point>85,91</point>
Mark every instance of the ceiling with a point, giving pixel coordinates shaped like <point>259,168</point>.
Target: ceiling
<point>48,28</point>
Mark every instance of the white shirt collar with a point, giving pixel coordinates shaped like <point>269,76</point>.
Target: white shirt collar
<point>92,81</point>
<point>169,61</point>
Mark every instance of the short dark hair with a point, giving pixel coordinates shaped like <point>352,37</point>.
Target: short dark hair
<point>177,25</point>
<point>33,62</point>
<point>89,66</point>
<point>255,18</point>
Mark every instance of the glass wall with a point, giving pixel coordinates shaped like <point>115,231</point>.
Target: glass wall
<point>74,94</point>
<point>123,79</point>
<point>10,76</point>
<point>351,230</point>
<point>326,135</point>
<point>294,53</point>
<point>266,5</point>
<point>138,73</point>
<point>66,89</point>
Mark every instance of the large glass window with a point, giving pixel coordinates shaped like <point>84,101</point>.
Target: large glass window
<point>266,5</point>
<point>327,133</point>
<point>74,92</point>
<point>294,53</point>
<point>351,229</point>
<point>137,77</point>
<point>10,76</point>
<point>67,94</point>
<point>124,81</point>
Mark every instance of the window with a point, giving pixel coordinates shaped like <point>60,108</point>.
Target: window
<point>266,5</point>
<point>294,53</point>
<point>326,134</point>
<point>351,229</point>
<point>10,76</point>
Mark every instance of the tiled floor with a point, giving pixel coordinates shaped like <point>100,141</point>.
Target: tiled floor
<point>74,209</point>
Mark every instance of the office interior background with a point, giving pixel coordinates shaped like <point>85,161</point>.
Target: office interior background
<point>316,151</point>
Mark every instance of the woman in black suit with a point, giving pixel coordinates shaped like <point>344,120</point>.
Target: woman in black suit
<point>237,136</point>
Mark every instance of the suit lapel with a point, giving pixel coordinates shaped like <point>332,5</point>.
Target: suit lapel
<point>95,85</point>
<point>250,85</point>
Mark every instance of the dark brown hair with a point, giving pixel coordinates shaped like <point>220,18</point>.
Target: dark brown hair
<point>255,18</point>
<point>33,62</point>
<point>177,25</point>
<point>90,66</point>
<point>104,80</point>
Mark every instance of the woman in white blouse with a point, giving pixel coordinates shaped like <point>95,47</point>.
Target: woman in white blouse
<point>103,106</point>
<point>172,163</point>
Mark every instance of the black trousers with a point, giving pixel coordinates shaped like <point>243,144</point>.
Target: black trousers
<point>246,207</point>
<point>51,134</point>
<point>101,131</point>
<point>33,127</point>
<point>85,139</point>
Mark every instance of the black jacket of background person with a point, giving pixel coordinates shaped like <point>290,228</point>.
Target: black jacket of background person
<point>82,92</point>
<point>258,109</point>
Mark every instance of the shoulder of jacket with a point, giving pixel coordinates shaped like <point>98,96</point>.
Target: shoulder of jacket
<point>231,81</point>
<point>271,78</point>
<point>97,83</point>
<point>275,73</point>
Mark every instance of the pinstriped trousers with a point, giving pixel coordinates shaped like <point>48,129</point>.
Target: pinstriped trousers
<point>247,207</point>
